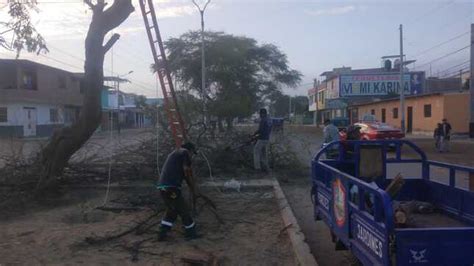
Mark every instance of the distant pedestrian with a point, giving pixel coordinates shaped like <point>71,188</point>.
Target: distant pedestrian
<point>331,133</point>
<point>437,136</point>
<point>260,150</point>
<point>446,135</point>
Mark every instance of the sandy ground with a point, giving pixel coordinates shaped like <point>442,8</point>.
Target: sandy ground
<point>55,233</point>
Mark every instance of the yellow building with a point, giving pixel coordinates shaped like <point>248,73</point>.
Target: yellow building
<point>423,112</point>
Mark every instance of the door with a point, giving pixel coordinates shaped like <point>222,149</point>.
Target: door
<point>383,115</point>
<point>409,119</point>
<point>29,123</point>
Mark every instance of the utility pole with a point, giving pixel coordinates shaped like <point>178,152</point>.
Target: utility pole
<point>289,109</point>
<point>471,86</point>
<point>402,91</point>
<point>471,92</point>
<point>315,97</point>
<point>203,59</point>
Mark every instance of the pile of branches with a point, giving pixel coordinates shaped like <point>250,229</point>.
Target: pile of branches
<point>225,153</point>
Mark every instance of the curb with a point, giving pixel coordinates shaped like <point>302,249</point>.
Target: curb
<point>297,238</point>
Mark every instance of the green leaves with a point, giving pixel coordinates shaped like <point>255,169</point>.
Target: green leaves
<point>240,73</point>
<point>24,34</point>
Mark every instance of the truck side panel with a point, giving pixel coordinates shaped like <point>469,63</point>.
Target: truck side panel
<point>437,246</point>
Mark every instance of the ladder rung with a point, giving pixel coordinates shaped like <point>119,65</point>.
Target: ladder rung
<point>176,122</point>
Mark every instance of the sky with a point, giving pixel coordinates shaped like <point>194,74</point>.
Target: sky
<point>315,35</point>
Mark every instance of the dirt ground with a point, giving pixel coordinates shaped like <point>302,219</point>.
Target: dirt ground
<point>54,232</point>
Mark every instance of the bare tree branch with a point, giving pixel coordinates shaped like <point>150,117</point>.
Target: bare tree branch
<point>111,42</point>
<point>89,3</point>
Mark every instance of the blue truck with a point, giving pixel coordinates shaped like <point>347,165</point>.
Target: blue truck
<point>360,213</point>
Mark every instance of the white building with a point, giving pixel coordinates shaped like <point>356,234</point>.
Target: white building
<point>35,99</point>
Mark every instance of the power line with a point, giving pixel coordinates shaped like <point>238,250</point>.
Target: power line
<point>444,56</point>
<point>440,44</point>
<point>141,84</point>
<point>418,18</point>
<point>461,64</point>
<point>456,73</point>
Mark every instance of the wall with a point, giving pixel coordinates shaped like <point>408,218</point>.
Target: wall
<point>457,111</point>
<point>16,119</point>
<point>332,87</point>
<point>421,123</point>
<point>312,100</point>
<point>48,89</point>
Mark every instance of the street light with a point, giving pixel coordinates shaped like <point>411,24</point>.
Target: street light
<point>203,62</point>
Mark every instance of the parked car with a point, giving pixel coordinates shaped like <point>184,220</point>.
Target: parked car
<point>376,131</point>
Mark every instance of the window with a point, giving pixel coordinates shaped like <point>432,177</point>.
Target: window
<point>427,110</point>
<point>53,115</point>
<point>3,115</point>
<point>62,82</point>
<point>28,80</point>
<point>395,113</point>
<point>372,112</point>
<point>383,115</point>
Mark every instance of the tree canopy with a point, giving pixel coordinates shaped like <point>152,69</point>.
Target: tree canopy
<point>240,73</point>
<point>280,105</point>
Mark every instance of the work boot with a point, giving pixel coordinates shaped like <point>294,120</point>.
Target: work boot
<point>190,233</point>
<point>163,232</point>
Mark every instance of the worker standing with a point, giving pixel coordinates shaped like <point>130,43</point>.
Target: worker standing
<point>176,168</point>
<point>260,151</point>
<point>331,133</point>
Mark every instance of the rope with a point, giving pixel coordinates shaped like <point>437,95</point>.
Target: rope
<point>210,170</point>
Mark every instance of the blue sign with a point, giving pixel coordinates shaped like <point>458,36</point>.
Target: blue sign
<point>380,84</point>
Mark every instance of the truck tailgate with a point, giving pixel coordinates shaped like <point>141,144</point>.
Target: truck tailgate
<point>435,246</point>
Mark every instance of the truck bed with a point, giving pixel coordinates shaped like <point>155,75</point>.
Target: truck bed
<point>435,219</point>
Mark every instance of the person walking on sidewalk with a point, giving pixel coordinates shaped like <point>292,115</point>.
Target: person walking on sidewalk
<point>437,136</point>
<point>176,168</point>
<point>446,135</point>
<point>331,133</point>
<point>260,150</point>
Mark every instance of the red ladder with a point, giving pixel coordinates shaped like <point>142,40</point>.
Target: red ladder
<point>175,120</point>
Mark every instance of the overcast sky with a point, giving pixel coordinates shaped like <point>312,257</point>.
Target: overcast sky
<point>316,35</point>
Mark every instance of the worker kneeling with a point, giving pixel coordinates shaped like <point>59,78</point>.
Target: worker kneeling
<point>176,168</point>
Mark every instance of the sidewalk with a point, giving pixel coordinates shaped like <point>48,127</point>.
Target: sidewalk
<point>454,138</point>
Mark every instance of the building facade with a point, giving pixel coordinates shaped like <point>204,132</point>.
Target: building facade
<point>423,112</point>
<point>343,87</point>
<point>35,99</point>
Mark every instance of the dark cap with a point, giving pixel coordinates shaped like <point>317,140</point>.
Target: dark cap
<point>190,147</point>
<point>263,111</point>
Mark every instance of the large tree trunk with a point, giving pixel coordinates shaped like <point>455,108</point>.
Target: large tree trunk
<point>66,141</point>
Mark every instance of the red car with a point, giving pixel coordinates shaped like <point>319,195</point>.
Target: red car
<point>376,131</point>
